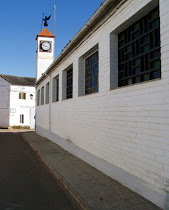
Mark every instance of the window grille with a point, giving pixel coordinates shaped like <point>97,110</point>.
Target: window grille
<point>91,73</point>
<point>42,96</point>
<point>38,98</point>
<point>47,93</point>
<point>139,51</point>
<point>69,83</point>
<point>55,89</point>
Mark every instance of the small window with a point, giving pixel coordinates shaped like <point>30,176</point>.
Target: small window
<point>91,73</point>
<point>38,98</point>
<point>55,89</point>
<point>42,96</point>
<point>22,118</point>
<point>139,51</point>
<point>22,95</point>
<point>47,93</point>
<point>69,84</point>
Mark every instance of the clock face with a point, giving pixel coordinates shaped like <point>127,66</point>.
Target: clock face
<point>45,46</point>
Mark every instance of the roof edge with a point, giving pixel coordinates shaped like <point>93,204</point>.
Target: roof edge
<point>1,75</point>
<point>45,33</point>
<point>6,78</point>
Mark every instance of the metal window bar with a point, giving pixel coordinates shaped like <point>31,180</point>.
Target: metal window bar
<point>57,88</point>
<point>139,51</point>
<point>69,84</point>
<point>42,96</point>
<point>91,73</point>
<point>47,93</point>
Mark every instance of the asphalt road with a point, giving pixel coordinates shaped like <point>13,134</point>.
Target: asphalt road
<point>25,182</point>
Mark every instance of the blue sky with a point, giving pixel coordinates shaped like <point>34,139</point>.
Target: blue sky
<point>21,22</point>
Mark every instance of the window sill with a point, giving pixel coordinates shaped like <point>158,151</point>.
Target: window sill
<point>67,99</point>
<point>140,83</point>
<point>54,102</point>
<point>88,94</point>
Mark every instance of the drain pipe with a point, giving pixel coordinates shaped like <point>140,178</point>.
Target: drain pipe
<point>50,101</point>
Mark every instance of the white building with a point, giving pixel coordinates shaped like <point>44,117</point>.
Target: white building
<point>17,101</point>
<point>105,98</point>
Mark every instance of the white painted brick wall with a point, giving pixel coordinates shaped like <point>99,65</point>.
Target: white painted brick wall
<point>128,126</point>
<point>22,106</point>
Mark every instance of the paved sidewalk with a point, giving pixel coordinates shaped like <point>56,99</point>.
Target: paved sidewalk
<point>89,187</point>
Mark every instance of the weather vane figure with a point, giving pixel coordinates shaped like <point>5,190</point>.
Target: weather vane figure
<point>45,20</point>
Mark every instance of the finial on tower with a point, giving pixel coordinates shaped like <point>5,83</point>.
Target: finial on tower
<point>45,20</point>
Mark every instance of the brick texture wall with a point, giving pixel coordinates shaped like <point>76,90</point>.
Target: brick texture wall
<point>128,126</point>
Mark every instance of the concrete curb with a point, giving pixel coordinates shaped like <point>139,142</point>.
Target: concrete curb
<point>67,186</point>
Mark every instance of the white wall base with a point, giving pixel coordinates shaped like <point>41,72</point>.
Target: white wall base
<point>134,183</point>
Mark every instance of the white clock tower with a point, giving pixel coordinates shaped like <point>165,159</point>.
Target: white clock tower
<point>45,51</point>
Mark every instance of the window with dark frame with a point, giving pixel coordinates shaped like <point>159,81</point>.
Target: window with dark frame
<point>21,118</point>
<point>91,73</point>
<point>38,98</point>
<point>55,89</point>
<point>69,91</point>
<point>139,51</point>
<point>42,96</point>
<point>22,95</point>
<point>47,94</point>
